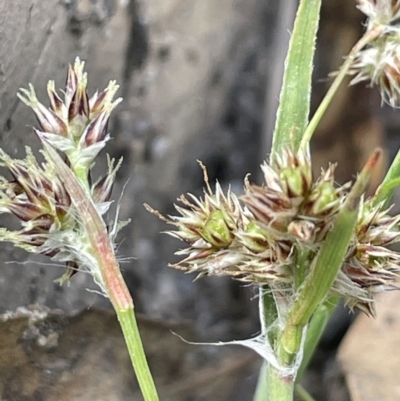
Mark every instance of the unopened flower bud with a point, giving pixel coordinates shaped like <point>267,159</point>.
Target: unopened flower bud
<point>56,103</point>
<point>217,230</point>
<point>292,180</point>
<point>295,174</point>
<point>323,199</point>
<point>96,131</point>
<point>49,121</point>
<point>254,238</point>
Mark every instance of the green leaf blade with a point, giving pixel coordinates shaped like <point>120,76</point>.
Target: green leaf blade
<point>294,103</point>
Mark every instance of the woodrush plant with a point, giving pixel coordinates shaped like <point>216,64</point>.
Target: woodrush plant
<point>61,210</point>
<point>303,241</point>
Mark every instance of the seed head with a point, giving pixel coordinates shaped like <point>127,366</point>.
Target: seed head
<point>289,216</point>
<point>208,226</point>
<point>380,64</point>
<point>51,223</point>
<point>37,198</point>
<point>295,209</point>
<point>379,61</point>
<point>76,125</point>
<point>380,12</point>
<point>369,265</point>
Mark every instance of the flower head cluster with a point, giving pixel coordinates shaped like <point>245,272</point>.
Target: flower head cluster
<point>379,61</point>
<point>209,226</point>
<point>289,216</point>
<point>380,12</point>
<point>369,266</point>
<point>78,124</point>
<point>37,195</point>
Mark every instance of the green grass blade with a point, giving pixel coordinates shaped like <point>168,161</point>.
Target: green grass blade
<point>294,103</point>
<point>391,181</point>
<point>315,330</point>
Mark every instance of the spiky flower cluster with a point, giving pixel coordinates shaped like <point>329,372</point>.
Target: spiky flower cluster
<point>285,219</point>
<point>36,195</point>
<point>369,266</point>
<point>78,124</point>
<point>379,61</point>
<point>380,13</point>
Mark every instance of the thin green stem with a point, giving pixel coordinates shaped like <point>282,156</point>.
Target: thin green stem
<point>344,69</point>
<point>303,393</point>
<point>133,341</point>
<point>301,266</point>
<point>81,173</point>
<point>268,315</point>
<point>273,386</point>
<point>391,181</point>
<point>315,330</point>
<point>280,388</point>
<point>292,118</point>
<point>108,271</point>
<point>262,384</point>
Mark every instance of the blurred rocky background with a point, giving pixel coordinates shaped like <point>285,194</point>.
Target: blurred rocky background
<point>200,80</point>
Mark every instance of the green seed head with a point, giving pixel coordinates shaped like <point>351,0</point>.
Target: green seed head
<point>323,198</point>
<point>218,229</point>
<point>255,239</point>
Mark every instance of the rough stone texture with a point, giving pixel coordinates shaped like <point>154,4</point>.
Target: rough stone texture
<point>45,355</point>
<point>192,74</point>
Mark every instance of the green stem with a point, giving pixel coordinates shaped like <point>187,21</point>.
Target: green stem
<point>81,173</point>
<point>133,341</point>
<point>108,271</point>
<point>280,388</point>
<point>272,386</point>
<point>268,315</point>
<point>391,181</point>
<point>344,69</point>
<point>301,266</point>
<point>303,393</point>
<point>262,384</point>
<point>292,118</point>
<point>315,330</point>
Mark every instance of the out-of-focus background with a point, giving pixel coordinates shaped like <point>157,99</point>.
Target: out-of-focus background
<point>200,80</point>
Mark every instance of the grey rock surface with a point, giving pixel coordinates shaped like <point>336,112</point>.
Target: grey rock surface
<point>193,77</point>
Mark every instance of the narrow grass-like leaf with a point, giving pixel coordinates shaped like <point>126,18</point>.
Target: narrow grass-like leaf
<point>391,181</point>
<point>303,393</point>
<point>294,102</point>
<point>96,231</point>
<point>315,330</point>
